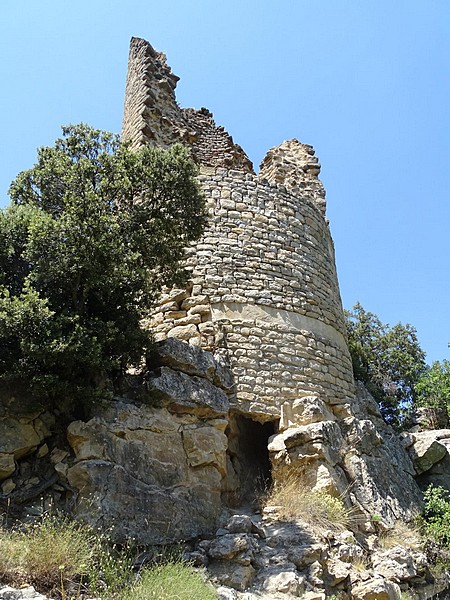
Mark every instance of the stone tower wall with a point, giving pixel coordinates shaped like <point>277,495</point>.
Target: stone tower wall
<point>264,288</point>
<point>265,291</point>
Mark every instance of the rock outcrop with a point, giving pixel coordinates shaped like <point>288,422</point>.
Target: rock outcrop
<point>430,453</point>
<point>153,470</point>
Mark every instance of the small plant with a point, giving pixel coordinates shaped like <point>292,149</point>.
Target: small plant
<point>317,508</point>
<point>375,518</point>
<point>169,581</point>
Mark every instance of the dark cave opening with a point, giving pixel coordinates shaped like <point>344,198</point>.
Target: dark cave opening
<point>248,441</point>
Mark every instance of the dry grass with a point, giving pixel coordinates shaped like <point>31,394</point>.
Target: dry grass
<point>402,534</point>
<point>320,510</point>
<point>361,564</point>
<point>50,554</point>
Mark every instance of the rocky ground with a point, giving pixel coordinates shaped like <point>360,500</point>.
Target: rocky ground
<point>259,557</point>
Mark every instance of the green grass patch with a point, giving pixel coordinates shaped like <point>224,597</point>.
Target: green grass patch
<point>170,581</point>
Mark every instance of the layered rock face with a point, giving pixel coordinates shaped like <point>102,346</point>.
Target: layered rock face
<point>153,468</point>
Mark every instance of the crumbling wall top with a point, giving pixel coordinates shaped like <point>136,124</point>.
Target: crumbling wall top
<point>295,166</point>
<point>153,116</point>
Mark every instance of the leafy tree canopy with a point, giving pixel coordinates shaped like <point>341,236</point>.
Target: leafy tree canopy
<point>389,360</point>
<point>433,387</point>
<point>92,233</point>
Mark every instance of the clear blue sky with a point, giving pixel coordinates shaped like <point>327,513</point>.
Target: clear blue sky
<point>366,82</point>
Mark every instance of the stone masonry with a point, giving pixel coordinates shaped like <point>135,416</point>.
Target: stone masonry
<point>264,287</point>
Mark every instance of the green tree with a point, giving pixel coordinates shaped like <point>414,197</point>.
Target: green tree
<point>389,360</point>
<point>433,387</point>
<point>93,232</point>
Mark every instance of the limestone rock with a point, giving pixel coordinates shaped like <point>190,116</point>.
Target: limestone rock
<point>244,524</point>
<point>133,508</point>
<point>238,577</point>
<point>376,588</point>
<point>228,546</point>
<point>192,360</point>
<point>18,437</point>
<point>284,582</point>
<point>429,447</point>
<point>20,434</point>
<point>337,571</point>
<point>179,355</point>
<point>206,446</point>
<point>303,411</point>
<point>148,473</point>
<point>7,465</point>
<point>398,564</point>
<point>188,394</point>
<point>378,466</point>
<point>225,593</point>
<point>24,593</point>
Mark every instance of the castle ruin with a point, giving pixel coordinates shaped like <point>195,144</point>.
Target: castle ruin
<point>264,288</point>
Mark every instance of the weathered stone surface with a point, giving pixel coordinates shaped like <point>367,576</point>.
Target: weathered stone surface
<point>181,356</point>
<point>20,434</point>
<point>399,564</point>
<point>228,546</point>
<point>183,393</point>
<point>376,589</point>
<point>280,581</point>
<point>25,593</point>
<point>224,593</point>
<point>18,437</point>
<point>206,446</point>
<point>304,411</point>
<point>379,469</point>
<point>429,447</point>
<point>229,574</point>
<point>147,473</point>
<point>337,571</point>
<point>7,465</point>
<point>244,524</point>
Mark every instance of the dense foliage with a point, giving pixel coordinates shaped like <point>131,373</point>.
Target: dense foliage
<point>93,232</point>
<point>433,387</point>
<point>389,360</point>
<point>436,515</point>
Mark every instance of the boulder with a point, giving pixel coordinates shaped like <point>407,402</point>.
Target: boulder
<point>179,355</point>
<point>428,448</point>
<point>20,435</point>
<point>303,411</point>
<point>376,588</point>
<point>183,393</point>
<point>399,564</point>
<point>229,574</point>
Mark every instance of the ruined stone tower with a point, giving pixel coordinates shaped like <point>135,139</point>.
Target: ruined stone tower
<point>264,287</point>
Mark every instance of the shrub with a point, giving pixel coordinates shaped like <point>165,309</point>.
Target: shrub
<point>436,514</point>
<point>93,232</point>
<point>402,534</point>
